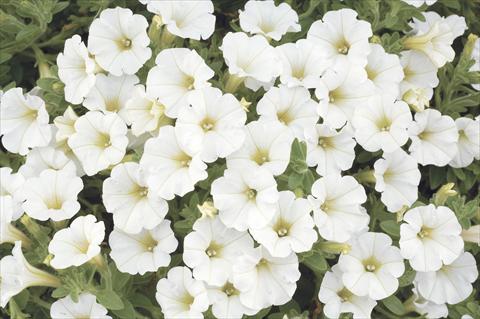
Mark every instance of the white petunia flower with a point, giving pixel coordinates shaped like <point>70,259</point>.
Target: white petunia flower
<point>264,280</point>
<point>418,98</point>
<point>187,19</point>
<point>419,72</point>
<point>302,63</point>
<point>430,237</point>
<point>267,145</point>
<point>42,158</point>
<point>17,274</point>
<point>213,124</point>
<point>430,309</point>
<point>269,20</point>
<point>226,302</point>
<point>434,138</point>
<point>111,93</point>
<point>245,197</point>
<point>177,73</point>
<point>468,142</point>
<point>384,70</point>
<point>99,141</point>
<point>419,3</point>
<point>85,307</point>
<point>143,252</point>
<point>336,201</point>
<point>330,150</point>
<point>397,177</point>
<point>23,121</point>
<point>170,169</point>
<point>52,195</point>
<point>291,228</point>
<point>342,36</point>
<point>76,69</point>
<point>292,107</point>
<point>250,57</point>
<point>451,283</point>
<point>65,124</point>
<point>475,56</point>
<point>8,232</point>
<point>133,205</point>
<point>340,91</point>
<point>77,244</point>
<point>181,296</point>
<point>211,250</point>
<point>372,267</point>
<point>144,113</point>
<point>12,187</point>
<point>118,39</point>
<point>338,299</point>
<point>382,124</point>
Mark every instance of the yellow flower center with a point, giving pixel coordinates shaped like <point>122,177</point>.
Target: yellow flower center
<point>371,264</point>
<point>207,124</point>
<point>213,250</point>
<point>260,156</point>
<point>251,194</point>
<point>282,227</point>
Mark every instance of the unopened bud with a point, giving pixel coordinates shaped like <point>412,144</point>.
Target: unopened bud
<point>207,209</point>
<point>334,247</point>
<point>444,193</point>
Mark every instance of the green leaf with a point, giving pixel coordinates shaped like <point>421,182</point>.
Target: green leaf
<point>394,305</point>
<point>109,299</point>
<point>127,312</point>
<point>316,262</point>
<point>391,227</point>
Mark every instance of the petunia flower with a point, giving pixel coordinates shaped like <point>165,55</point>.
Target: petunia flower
<point>85,307</point>
<point>181,296</point>
<point>338,299</point>
<point>211,250</point>
<point>65,124</point>
<point>99,141</point>
<point>42,158</point>
<point>419,3</point>
<point>372,267</point>
<point>118,39</point>
<point>468,142</point>
<point>78,243</point>
<point>52,195</point>
<point>245,197</point>
<point>226,302</point>
<point>330,150</point>
<point>434,138</point>
<point>430,238</point>
<point>8,232</point>
<point>397,177</point>
<point>12,187</point>
<point>177,73</point>
<point>269,20</point>
<point>425,307</point>
<point>76,69</point>
<point>213,124</point>
<point>145,251</point>
<point>16,274</point>
<point>267,145</point>
<point>336,201</point>
<point>382,124</point>
<point>186,19</point>
<point>342,36</point>
<point>23,121</point>
<point>291,228</point>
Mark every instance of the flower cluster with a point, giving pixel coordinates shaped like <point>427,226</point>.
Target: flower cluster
<point>222,185</point>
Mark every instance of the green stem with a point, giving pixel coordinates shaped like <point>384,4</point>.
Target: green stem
<point>366,177</point>
<point>42,303</point>
<point>42,63</point>
<point>233,82</point>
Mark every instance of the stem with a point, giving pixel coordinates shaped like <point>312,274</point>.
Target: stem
<point>40,302</point>
<point>233,82</point>
<point>42,63</point>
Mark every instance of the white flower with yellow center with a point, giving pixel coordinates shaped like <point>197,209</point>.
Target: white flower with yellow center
<point>213,124</point>
<point>211,250</point>
<point>338,299</point>
<point>16,274</point>
<point>430,237</point>
<point>468,142</point>
<point>330,150</point>
<point>226,302</point>
<point>65,125</point>
<point>111,93</point>
<point>382,124</point>
<point>264,280</point>
<point>23,121</point>
<point>267,145</point>
<point>170,169</point>
<point>342,36</point>
<point>291,228</point>
<point>292,107</point>
<point>336,201</point>
<point>246,197</point>
<point>99,141</point>
<point>269,20</point>
<point>52,195</point>
<point>181,296</point>
<point>450,284</point>
<point>85,307</point>
<point>42,158</point>
<point>434,138</point>
<point>118,39</point>
<point>133,205</point>
<point>145,251</point>
<point>372,267</point>
<point>188,19</point>
<point>177,73</point>
<point>12,187</point>
<point>397,177</point>
<point>78,243</point>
